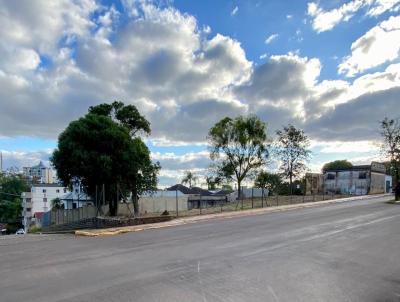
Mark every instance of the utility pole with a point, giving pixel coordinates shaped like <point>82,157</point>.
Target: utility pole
<point>1,162</point>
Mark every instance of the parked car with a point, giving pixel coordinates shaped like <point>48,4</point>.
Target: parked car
<point>20,232</point>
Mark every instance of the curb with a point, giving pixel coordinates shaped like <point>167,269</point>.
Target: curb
<point>227,215</point>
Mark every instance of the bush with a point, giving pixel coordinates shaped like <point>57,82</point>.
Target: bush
<point>35,229</point>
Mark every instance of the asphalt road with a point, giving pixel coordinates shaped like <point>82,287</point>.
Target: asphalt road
<point>342,252</point>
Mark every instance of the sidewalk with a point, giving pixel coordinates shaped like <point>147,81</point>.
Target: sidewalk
<point>226,215</point>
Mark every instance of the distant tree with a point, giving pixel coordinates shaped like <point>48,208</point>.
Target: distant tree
<point>238,146</point>
<point>292,149</point>
<point>57,204</point>
<point>268,181</point>
<point>11,188</point>
<point>213,181</point>
<point>100,148</point>
<point>337,165</point>
<point>189,178</point>
<point>390,131</point>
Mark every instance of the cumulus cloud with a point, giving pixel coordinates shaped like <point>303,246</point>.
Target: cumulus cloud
<point>325,20</point>
<point>180,78</point>
<point>379,45</point>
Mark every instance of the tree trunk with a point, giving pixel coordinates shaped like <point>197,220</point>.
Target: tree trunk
<point>291,184</point>
<point>397,187</point>
<point>135,201</point>
<point>239,189</point>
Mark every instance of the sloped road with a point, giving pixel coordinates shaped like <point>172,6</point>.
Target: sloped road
<point>340,252</point>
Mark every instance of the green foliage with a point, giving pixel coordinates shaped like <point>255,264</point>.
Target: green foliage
<point>238,146</point>
<point>292,149</point>
<point>390,132</point>
<point>10,201</point>
<point>56,204</point>
<point>213,182</point>
<point>99,148</point>
<point>189,178</point>
<point>337,165</point>
<point>268,181</point>
<point>35,229</point>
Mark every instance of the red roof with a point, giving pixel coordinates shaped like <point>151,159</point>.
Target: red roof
<point>38,215</point>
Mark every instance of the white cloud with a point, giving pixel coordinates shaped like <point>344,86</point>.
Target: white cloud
<point>271,38</point>
<point>335,147</point>
<point>234,11</point>
<point>379,45</point>
<point>325,20</point>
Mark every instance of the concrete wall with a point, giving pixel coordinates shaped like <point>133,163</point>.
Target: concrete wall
<point>377,183</point>
<point>160,204</point>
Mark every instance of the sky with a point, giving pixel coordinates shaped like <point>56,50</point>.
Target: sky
<point>331,68</point>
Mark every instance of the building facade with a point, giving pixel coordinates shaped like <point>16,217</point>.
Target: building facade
<point>38,200</point>
<point>357,180</point>
<point>39,174</point>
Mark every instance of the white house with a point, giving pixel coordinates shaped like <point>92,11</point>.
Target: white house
<point>38,201</point>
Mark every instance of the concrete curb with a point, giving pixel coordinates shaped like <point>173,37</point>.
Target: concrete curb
<point>207,217</point>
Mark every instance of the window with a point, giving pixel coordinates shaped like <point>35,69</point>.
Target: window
<point>44,199</point>
<point>57,191</point>
<point>331,176</point>
<point>362,175</point>
<point>44,190</point>
<point>28,209</point>
<point>65,190</point>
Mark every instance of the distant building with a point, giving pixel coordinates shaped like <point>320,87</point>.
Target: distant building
<point>357,180</point>
<point>39,200</point>
<point>39,174</point>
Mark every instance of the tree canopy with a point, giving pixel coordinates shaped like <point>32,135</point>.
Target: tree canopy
<point>100,150</point>
<point>11,187</point>
<point>189,178</point>
<point>292,149</point>
<point>390,132</point>
<point>238,147</point>
<point>270,181</point>
<point>337,165</point>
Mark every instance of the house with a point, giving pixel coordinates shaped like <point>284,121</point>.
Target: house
<point>357,180</point>
<point>198,197</point>
<point>39,200</point>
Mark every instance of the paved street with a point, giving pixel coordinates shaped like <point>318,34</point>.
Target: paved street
<point>342,252</point>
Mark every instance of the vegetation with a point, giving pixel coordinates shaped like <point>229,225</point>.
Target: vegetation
<point>292,149</point>
<point>56,204</point>
<point>189,178</point>
<point>34,229</point>
<point>102,148</point>
<point>269,181</point>
<point>11,188</point>
<point>238,146</point>
<point>337,165</point>
<point>390,131</point>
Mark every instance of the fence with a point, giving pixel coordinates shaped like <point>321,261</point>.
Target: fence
<point>63,216</point>
<point>198,205</point>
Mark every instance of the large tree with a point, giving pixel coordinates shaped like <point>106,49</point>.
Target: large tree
<point>292,150</point>
<point>238,146</point>
<point>337,165</point>
<point>390,131</point>
<point>99,149</point>
<point>11,187</point>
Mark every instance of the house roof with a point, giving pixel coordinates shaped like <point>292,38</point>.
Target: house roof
<point>71,196</point>
<point>194,190</point>
<point>38,215</point>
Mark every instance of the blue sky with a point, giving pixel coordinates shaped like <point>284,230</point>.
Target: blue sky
<point>329,67</point>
